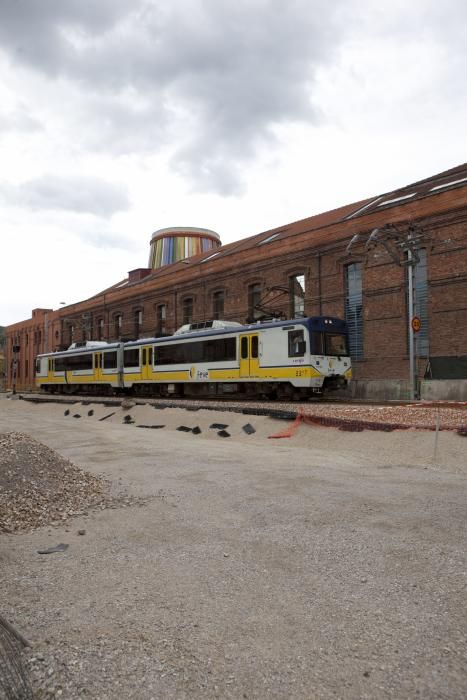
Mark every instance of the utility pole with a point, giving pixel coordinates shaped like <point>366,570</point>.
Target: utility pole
<point>410,316</point>
<point>16,349</point>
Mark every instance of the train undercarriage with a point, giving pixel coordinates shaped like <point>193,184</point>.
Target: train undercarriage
<point>248,390</point>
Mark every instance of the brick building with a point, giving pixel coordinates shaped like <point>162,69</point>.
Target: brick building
<point>351,262</point>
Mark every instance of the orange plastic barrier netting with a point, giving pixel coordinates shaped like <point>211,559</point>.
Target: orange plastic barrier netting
<point>288,432</point>
<point>353,426</point>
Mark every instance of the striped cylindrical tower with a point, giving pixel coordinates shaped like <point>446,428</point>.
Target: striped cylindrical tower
<point>169,245</point>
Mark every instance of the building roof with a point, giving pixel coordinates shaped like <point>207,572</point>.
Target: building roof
<point>442,182</point>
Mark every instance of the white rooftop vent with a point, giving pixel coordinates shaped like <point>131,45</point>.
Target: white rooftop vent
<point>206,326</point>
<point>396,199</point>
<point>448,184</point>
<point>269,238</point>
<point>210,257</point>
<point>361,209</point>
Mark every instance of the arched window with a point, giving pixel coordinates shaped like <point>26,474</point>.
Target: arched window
<point>161,319</point>
<point>118,321</point>
<point>297,295</point>
<point>187,310</point>
<point>138,322</point>
<point>218,304</point>
<point>254,297</point>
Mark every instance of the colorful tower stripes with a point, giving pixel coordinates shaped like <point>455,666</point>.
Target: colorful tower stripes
<point>172,245</point>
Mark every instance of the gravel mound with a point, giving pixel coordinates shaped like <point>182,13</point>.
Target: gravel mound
<point>39,487</point>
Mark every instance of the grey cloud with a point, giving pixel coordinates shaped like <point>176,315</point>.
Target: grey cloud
<point>40,33</point>
<point>105,239</point>
<point>230,71</point>
<point>121,127</point>
<point>19,119</point>
<point>81,195</point>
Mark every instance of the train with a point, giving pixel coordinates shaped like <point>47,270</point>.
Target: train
<point>295,359</point>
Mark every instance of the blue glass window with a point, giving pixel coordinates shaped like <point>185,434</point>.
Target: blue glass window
<point>354,309</point>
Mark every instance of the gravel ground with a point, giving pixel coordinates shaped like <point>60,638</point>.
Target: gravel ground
<point>329,565</point>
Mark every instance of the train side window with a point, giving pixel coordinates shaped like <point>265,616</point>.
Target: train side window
<point>110,360</point>
<point>60,364</point>
<point>77,363</point>
<point>150,356</point>
<point>244,348</point>
<point>131,357</point>
<point>254,346</point>
<point>297,345</point>
<point>317,340</point>
<point>143,359</point>
<point>50,364</point>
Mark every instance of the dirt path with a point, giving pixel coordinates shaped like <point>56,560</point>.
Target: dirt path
<point>330,565</point>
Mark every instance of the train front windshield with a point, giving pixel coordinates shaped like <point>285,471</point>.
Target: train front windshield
<point>335,344</point>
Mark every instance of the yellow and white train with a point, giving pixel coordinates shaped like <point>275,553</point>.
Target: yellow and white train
<point>279,359</point>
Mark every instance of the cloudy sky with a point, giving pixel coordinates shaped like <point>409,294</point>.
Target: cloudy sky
<point>121,117</point>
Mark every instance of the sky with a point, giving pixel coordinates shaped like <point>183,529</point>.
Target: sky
<point>119,118</point>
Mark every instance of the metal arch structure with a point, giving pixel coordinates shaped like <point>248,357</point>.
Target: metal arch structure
<point>402,243</point>
<point>271,295</point>
<point>80,322</point>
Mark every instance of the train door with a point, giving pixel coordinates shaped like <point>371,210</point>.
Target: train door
<point>146,363</point>
<point>98,367</point>
<point>249,354</point>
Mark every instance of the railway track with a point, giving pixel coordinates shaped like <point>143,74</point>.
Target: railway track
<point>228,401</point>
